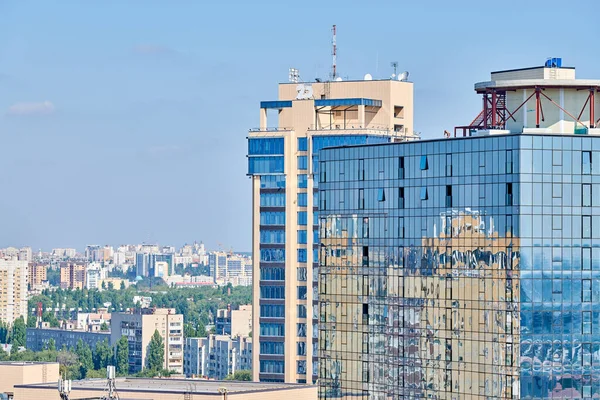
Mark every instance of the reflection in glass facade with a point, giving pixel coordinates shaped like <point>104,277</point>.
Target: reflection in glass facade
<point>461,269</point>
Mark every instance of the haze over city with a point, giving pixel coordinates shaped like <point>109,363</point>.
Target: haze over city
<point>122,122</point>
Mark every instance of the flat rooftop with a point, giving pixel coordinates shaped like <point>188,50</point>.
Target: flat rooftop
<point>165,385</point>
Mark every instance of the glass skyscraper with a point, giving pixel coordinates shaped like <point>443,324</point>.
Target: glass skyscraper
<point>461,268</point>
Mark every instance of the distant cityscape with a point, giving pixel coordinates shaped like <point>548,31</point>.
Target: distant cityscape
<point>99,267</point>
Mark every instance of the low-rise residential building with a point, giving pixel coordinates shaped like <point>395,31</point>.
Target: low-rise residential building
<point>38,338</point>
<point>93,321</point>
<point>234,322</point>
<point>217,356</point>
<point>139,326</point>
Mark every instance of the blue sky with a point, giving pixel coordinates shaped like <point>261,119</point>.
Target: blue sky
<point>125,121</point>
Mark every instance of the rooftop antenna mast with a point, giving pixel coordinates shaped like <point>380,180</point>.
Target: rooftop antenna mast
<point>334,54</point>
<point>395,66</point>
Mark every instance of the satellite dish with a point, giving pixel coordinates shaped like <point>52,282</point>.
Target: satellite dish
<point>368,77</point>
<point>338,79</point>
<point>403,76</point>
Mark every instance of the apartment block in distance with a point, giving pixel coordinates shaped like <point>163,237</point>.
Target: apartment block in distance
<point>72,275</point>
<point>283,162</point>
<point>139,326</point>
<point>468,267</point>
<point>37,274</point>
<point>13,289</point>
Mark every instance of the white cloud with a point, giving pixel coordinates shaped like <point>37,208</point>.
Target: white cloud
<point>31,108</point>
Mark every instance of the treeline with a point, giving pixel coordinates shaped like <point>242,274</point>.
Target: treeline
<point>198,305</point>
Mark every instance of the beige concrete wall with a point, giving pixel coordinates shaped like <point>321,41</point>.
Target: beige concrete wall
<point>558,121</point>
<point>391,93</point>
<point>241,322</point>
<point>535,73</point>
<point>12,374</point>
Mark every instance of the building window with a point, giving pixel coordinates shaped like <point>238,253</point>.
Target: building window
<point>401,227</point>
<point>361,170</point>
<point>401,197</point>
<point>424,193</point>
<point>586,162</point>
<point>301,311</point>
<point>302,200</point>
<point>424,163</point>
<point>509,162</point>
<point>301,330</point>
<point>586,195</point>
<point>365,228</point>
<point>303,144</point>
<point>557,158</point>
<point>302,293</point>
<point>509,194</point>
<point>301,274</point>
<point>302,255</point>
<point>302,181</point>
<point>381,194</point>
<point>301,348</point>
<point>586,290</point>
<point>586,226</point>
<point>586,327</point>
<point>302,236</point>
<point>401,168</point>
<point>302,162</point>
<point>448,195</point>
<point>448,164</point>
<point>586,258</point>
<point>302,218</point>
<point>361,199</point>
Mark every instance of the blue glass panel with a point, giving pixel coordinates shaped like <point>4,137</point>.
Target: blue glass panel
<point>302,218</point>
<point>302,144</point>
<point>302,162</point>
<point>302,199</point>
<point>265,165</point>
<point>302,181</point>
<point>264,146</point>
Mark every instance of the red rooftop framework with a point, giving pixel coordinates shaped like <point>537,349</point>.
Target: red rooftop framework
<point>495,114</point>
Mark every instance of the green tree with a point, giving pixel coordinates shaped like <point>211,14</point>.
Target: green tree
<point>4,330</point>
<point>122,285</point>
<point>19,333</point>
<point>51,345</point>
<point>84,353</point>
<point>31,322</point>
<point>240,375</point>
<point>104,327</point>
<point>4,356</point>
<point>122,356</point>
<point>156,352</point>
<point>102,355</point>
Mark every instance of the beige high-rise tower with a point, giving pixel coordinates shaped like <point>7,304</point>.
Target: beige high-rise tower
<point>283,165</point>
<point>13,289</point>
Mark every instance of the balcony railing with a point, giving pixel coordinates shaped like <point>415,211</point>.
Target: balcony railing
<point>271,129</point>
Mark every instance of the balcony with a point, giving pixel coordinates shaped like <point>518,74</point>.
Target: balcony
<point>349,128</point>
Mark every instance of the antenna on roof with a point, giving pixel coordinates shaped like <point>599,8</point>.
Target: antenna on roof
<point>334,53</point>
<point>394,65</point>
